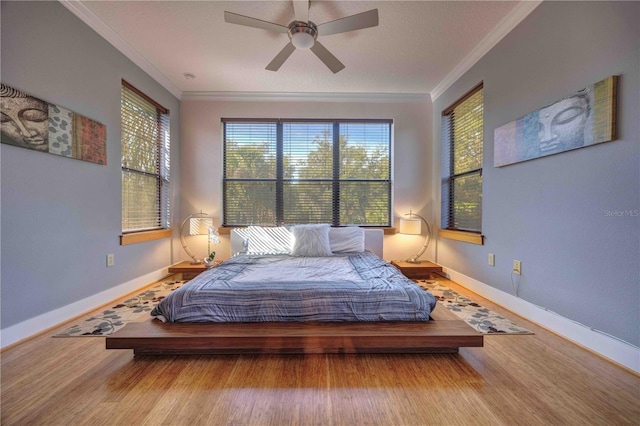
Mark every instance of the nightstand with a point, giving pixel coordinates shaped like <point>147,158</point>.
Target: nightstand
<point>188,270</point>
<point>415,271</point>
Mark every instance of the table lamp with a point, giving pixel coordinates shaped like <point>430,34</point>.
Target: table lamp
<point>199,224</point>
<point>413,226</point>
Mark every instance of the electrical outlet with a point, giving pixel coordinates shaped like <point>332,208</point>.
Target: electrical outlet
<point>110,260</point>
<point>492,259</point>
<point>517,267</point>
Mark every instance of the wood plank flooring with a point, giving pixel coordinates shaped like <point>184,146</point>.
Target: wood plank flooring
<point>536,379</point>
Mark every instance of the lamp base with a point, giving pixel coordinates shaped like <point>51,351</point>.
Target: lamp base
<point>416,261</point>
<point>196,262</point>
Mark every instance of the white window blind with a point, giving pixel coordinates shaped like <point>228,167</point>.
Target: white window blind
<point>462,154</point>
<point>307,171</point>
<point>145,162</point>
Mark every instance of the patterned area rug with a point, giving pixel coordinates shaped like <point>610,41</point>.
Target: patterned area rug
<point>137,308</point>
<point>480,318</point>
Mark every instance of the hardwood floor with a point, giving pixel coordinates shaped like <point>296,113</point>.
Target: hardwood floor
<point>513,380</point>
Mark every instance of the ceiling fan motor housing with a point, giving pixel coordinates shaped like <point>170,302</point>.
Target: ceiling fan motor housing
<point>303,34</point>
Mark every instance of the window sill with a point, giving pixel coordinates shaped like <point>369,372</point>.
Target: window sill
<point>466,237</point>
<point>141,237</point>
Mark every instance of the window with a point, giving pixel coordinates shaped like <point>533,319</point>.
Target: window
<point>145,162</point>
<point>279,172</point>
<point>462,143</point>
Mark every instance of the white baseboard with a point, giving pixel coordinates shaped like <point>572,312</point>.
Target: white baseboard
<point>620,352</point>
<point>33,326</point>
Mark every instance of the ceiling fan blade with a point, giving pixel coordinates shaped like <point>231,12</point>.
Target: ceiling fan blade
<point>284,54</point>
<point>234,18</point>
<point>350,23</point>
<point>325,56</point>
<point>301,10</point>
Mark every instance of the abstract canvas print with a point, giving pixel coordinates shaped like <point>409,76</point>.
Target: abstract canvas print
<point>584,118</point>
<point>32,123</point>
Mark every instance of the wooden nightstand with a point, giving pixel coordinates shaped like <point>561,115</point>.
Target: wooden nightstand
<point>188,270</point>
<point>420,270</point>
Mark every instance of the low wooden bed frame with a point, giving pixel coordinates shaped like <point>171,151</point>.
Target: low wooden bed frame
<point>446,333</point>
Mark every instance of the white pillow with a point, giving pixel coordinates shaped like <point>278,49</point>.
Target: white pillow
<point>269,240</point>
<point>311,240</point>
<point>346,240</point>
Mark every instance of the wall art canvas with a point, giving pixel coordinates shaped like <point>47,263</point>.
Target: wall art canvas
<point>584,118</point>
<point>32,123</point>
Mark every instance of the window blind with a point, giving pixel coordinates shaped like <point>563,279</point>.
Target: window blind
<point>307,171</point>
<point>365,173</point>
<point>145,162</point>
<point>462,150</point>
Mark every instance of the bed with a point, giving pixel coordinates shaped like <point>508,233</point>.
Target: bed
<point>332,296</point>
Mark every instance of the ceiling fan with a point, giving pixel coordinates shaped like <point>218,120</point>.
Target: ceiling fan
<point>303,33</point>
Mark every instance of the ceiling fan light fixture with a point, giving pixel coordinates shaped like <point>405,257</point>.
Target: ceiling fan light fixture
<point>302,40</point>
<point>303,34</point>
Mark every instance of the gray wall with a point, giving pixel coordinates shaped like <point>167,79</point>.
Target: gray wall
<point>551,213</point>
<point>60,217</point>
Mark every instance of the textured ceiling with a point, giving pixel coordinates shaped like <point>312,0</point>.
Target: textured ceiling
<point>416,45</point>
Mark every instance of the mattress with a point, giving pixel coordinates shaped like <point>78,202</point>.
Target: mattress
<point>267,288</point>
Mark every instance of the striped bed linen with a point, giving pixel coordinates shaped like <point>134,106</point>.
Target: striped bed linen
<point>265,288</point>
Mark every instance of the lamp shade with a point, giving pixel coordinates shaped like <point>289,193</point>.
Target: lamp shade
<point>411,226</point>
<point>200,225</point>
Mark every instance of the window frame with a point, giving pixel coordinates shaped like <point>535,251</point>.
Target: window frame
<point>448,196</point>
<point>281,182</point>
<point>161,173</point>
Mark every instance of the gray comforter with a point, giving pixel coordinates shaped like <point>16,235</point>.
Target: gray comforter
<point>253,288</point>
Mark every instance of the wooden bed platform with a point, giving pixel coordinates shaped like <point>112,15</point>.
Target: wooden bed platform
<point>445,334</point>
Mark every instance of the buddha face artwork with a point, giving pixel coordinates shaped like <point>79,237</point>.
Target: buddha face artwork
<point>25,120</point>
<point>32,123</point>
<point>562,126</point>
<point>583,118</point>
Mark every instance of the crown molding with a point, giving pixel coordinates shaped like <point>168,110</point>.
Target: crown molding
<point>305,97</point>
<point>508,23</point>
<point>105,31</point>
